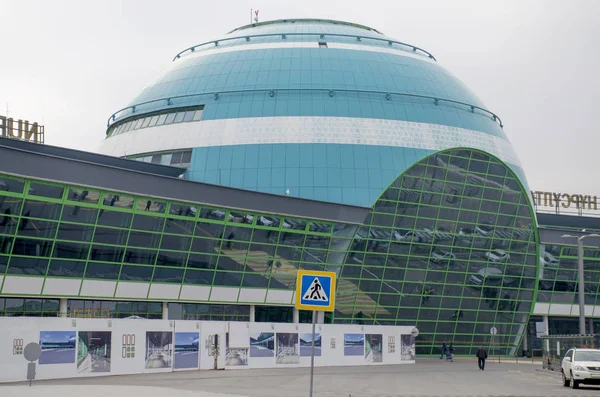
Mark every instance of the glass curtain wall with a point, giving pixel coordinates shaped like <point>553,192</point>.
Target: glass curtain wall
<point>450,244</point>
<point>55,230</point>
<point>558,274</point>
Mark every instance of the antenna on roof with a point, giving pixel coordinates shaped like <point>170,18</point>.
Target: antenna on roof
<point>256,16</point>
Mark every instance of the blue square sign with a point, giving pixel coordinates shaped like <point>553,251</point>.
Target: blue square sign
<point>315,290</point>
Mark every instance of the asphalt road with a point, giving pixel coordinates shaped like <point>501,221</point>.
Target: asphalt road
<point>428,377</point>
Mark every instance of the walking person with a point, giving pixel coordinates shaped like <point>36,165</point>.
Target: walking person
<point>450,353</point>
<point>481,356</point>
<point>444,350</point>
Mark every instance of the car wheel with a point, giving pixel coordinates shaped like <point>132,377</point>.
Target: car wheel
<point>566,382</point>
<point>574,383</point>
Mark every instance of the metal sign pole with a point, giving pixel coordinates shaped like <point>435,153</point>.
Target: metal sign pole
<point>315,291</point>
<point>312,353</point>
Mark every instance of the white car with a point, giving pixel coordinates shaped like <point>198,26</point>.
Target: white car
<point>425,236</point>
<point>497,256</point>
<point>489,275</point>
<point>548,260</point>
<point>484,230</point>
<point>442,257</point>
<point>265,221</point>
<point>407,237</point>
<point>581,366</point>
<point>218,214</point>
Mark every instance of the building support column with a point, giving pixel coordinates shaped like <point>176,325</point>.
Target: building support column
<point>590,326</point>
<point>547,341</point>
<point>525,341</point>
<point>63,307</point>
<point>165,310</point>
<point>252,313</point>
<point>320,317</point>
<point>296,316</point>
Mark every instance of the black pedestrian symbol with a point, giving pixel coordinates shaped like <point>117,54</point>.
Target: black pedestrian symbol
<point>315,292</point>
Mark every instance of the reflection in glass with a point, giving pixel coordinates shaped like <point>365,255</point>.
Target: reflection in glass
<point>136,273</point>
<point>11,185</point>
<point>150,205</point>
<point>104,271</point>
<point>28,266</point>
<point>66,268</point>
<point>182,210</point>
<point>44,190</point>
<point>83,195</point>
<point>79,214</point>
<point>117,200</point>
<point>446,254</point>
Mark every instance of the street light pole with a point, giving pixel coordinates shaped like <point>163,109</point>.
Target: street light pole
<point>581,283</point>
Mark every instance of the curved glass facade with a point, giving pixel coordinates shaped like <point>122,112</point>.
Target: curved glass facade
<point>451,243</point>
<point>316,109</point>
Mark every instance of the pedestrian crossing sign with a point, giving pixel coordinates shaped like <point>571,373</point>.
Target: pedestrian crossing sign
<point>315,290</point>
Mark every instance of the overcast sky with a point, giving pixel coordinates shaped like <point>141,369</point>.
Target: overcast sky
<point>70,64</point>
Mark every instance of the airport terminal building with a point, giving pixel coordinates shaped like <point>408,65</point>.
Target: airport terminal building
<point>286,145</point>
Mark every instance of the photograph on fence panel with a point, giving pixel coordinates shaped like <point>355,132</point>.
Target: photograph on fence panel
<point>58,347</point>
<point>235,357</point>
<point>374,348</point>
<point>354,344</point>
<point>93,352</point>
<point>408,347</point>
<point>262,344</point>
<point>186,350</point>
<point>159,349</point>
<point>287,349</point>
<point>306,344</point>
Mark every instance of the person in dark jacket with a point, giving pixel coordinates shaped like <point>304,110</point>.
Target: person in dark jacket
<point>481,356</point>
<point>450,353</point>
<point>444,350</point>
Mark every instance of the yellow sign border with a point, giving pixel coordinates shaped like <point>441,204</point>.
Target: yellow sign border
<point>315,273</point>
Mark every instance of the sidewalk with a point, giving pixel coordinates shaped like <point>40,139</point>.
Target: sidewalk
<point>44,390</point>
<point>496,359</point>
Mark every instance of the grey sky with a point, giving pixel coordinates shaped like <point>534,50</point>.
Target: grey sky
<point>70,64</point>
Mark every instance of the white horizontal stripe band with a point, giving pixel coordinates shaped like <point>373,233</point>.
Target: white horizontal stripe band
<point>305,129</point>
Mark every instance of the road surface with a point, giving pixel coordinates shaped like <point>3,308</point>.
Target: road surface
<point>429,377</point>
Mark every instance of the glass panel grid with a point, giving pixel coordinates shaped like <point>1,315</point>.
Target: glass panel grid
<point>446,248</point>
<point>112,236</point>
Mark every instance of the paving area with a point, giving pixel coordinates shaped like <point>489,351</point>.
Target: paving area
<point>428,377</point>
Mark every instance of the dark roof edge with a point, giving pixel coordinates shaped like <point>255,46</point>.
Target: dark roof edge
<point>294,20</point>
<point>65,169</point>
<point>567,221</point>
<point>80,155</point>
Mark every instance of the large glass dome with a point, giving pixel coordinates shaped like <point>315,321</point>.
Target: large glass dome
<point>318,109</point>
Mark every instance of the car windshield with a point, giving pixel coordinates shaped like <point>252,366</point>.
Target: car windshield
<point>587,356</point>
